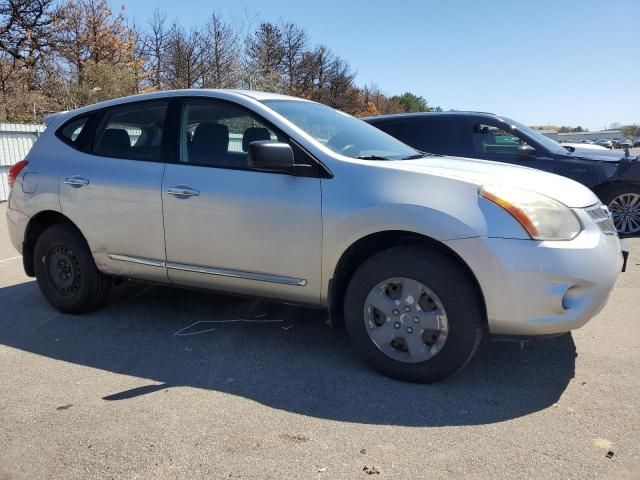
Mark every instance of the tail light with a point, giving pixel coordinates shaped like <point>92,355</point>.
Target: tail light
<point>14,171</point>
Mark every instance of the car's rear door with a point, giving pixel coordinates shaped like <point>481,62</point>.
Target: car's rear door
<point>110,187</point>
<point>233,228</point>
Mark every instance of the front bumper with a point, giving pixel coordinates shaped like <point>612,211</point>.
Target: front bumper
<point>540,288</point>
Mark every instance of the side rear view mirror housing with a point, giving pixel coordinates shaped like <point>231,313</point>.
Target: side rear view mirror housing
<point>525,152</point>
<point>270,156</point>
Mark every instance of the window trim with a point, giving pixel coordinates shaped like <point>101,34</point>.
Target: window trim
<point>316,170</point>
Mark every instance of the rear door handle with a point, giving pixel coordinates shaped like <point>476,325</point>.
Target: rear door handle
<point>76,181</point>
<point>181,191</point>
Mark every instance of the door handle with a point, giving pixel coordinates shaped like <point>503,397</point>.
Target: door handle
<point>182,191</point>
<point>76,181</point>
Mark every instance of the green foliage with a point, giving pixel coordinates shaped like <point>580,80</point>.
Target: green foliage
<point>410,102</point>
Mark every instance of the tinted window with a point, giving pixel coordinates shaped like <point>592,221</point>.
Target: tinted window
<point>492,140</point>
<point>71,130</point>
<point>432,135</point>
<point>132,131</point>
<point>218,134</point>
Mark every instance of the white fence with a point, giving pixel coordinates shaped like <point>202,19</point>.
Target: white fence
<point>15,142</point>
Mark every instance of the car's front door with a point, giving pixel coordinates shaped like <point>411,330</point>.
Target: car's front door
<point>110,186</point>
<point>230,227</point>
<point>492,140</point>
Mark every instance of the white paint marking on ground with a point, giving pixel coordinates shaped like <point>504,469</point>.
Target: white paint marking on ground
<point>181,334</point>
<point>10,259</point>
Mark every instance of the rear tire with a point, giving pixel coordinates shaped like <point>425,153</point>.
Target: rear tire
<point>446,291</point>
<point>66,272</point>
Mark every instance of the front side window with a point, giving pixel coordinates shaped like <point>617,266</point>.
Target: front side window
<point>132,131</point>
<point>342,133</point>
<point>218,134</point>
<point>492,140</point>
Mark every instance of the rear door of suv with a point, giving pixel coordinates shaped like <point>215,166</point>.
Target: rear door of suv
<point>111,172</point>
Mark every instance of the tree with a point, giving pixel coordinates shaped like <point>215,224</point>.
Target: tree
<point>91,39</point>
<point>153,45</point>
<point>184,60</point>
<point>222,55</point>
<point>295,44</point>
<point>26,34</point>
<point>413,103</point>
<point>265,58</point>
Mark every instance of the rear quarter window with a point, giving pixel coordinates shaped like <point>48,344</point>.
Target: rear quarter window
<point>70,132</point>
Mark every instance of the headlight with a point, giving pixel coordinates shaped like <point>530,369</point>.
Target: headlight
<point>542,217</point>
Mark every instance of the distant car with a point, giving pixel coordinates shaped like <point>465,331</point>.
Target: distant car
<point>264,195</point>
<point>624,144</point>
<point>614,178</point>
<point>606,143</point>
<point>636,143</point>
<point>591,146</point>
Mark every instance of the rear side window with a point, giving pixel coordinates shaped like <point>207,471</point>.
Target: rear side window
<point>432,135</point>
<point>132,131</point>
<point>71,131</point>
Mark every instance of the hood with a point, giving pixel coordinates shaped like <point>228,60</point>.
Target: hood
<point>600,155</point>
<point>484,172</point>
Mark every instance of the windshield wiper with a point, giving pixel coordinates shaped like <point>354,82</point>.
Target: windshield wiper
<point>372,157</point>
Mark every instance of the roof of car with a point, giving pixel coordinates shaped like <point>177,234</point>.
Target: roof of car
<point>425,114</point>
<point>256,95</point>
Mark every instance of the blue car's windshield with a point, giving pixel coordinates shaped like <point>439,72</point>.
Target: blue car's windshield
<point>546,142</point>
<point>342,133</point>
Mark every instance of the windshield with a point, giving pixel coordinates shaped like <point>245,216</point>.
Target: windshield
<point>546,142</point>
<point>342,133</point>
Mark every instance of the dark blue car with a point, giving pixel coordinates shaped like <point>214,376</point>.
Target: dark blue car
<point>614,177</point>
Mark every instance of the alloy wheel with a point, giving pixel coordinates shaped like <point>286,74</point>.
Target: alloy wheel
<point>625,210</point>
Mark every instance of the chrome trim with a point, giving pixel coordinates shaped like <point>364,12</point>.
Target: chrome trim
<point>182,191</point>
<point>225,272</point>
<point>140,260</point>
<point>602,217</point>
<point>76,181</point>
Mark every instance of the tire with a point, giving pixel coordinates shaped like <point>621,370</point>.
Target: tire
<point>617,197</point>
<point>66,272</point>
<point>449,285</point>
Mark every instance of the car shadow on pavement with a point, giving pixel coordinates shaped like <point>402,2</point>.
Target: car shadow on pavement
<point>297,364</point>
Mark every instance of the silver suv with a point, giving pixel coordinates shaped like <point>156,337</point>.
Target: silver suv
<point>272,196</point>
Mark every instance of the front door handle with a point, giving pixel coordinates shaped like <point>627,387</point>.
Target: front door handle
<point>182,191</point>
<point>76,181</point>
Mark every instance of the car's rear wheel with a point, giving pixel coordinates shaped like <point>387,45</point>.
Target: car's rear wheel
<point>66,272</point>
<point>414,314</point>
<point>624,203</point>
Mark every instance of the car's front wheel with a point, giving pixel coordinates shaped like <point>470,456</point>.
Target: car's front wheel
<point>66,272</point>
<point>414,314</point>
<point>623,201</point>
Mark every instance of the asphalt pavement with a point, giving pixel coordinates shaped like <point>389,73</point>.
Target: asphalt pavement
<point>166,383</point>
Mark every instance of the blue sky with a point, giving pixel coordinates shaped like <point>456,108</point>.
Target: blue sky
<point>563,62</point>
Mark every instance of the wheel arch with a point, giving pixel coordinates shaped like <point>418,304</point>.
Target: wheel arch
<point>373,243</point>
<point>36,226</point>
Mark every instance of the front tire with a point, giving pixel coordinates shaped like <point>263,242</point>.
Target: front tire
<point>623,201</point>
<point>414,314</point>
<point>66,272</point>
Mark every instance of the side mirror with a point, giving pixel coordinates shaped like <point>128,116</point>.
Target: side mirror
<point>525,152</point>
<point>270,156</point>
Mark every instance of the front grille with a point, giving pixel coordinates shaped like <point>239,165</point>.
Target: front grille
<point>600,214</point>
